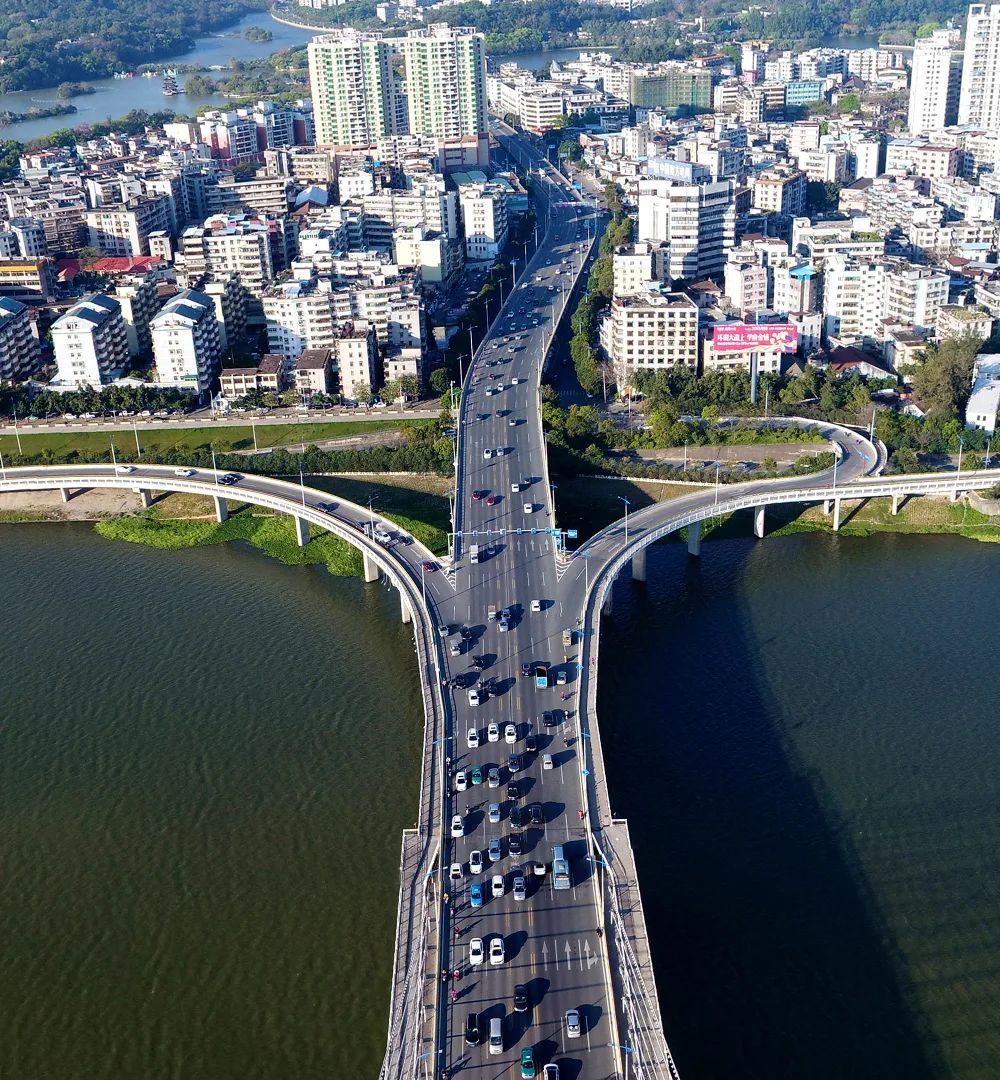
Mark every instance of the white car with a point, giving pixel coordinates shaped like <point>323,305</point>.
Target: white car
<point>472,738</point>
<point>493,733</point>
<point>475,861</point>
<point>573,1029</point>
<point>520,891</point>
<point>503,624</point>
<point>515,487</point>
<point>126,468</point>
<point>457,827</point>
<point>515,381</point>
<point>474,696</point>
<point>487,454</point>
<point>510,734</point>
<point>493,813</point>
<point>455,872</point>
<point>497,955</point>
<point>496,885</point>
<point>461,780</point>
<point>528,508</point>
<point>183,472</point>
<point>476,952</point>
<point>536,605</point>
<point>547,763</point>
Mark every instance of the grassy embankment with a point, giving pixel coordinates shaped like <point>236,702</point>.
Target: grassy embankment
<point>416,504</point>
<point>158,441</point>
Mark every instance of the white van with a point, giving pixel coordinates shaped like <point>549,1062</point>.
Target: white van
<point>496,1035</point>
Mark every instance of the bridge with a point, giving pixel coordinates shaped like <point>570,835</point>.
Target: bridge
<point>573,983</point>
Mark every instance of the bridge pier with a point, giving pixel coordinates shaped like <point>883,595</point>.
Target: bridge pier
<point>221,509</point>
<point>836,515</point>
<point>955,494</point>
<point>371,567</point>
<point>694,538</point>
<point>146,495</point>
<point>65,494</point>
<point>897,501</point>
<point>826,507</point>
<point>758,522</point>
<point>404,609</point>
<point>639,566</point>
<point>301,531</point>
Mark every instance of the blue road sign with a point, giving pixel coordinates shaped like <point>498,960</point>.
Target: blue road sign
<point>571,534</point>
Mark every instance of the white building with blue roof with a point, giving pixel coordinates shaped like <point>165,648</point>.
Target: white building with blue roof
<point>187,345</point>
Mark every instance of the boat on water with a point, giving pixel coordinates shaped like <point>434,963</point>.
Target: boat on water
<point>170,87</point>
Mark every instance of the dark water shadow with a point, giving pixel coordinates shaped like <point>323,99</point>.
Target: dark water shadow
<point>772,959</point>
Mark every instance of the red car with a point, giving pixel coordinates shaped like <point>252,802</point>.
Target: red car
<point>428,567</point>
<point>491,501</point>
<point>476,496</point>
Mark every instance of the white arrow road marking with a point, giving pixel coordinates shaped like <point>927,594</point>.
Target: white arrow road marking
<point>555,952</point>
<point>569,954</point>
<point>545,956</point>
<point>592,958</point>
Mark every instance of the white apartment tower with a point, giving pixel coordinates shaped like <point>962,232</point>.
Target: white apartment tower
<point>186,342</point>
<point>353,88</point>
<point>979,102</point>
<point>90,343</point>
<point>934,83</point>
<point>446,81</point>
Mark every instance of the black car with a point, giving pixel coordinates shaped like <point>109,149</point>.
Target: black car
<point>472,1036</point>
<point>513,763</point>
<point>535,811</point>
<point>526,670</point>
<point>514,844</point>
<point>531,743</point>
<point>516,817</point>
<point>513,791</point>
<point>520,998</point>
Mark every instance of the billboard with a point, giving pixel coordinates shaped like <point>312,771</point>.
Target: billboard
<point>744,337</point>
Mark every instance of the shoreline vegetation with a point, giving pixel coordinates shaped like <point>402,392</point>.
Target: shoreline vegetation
<point>419,506</point>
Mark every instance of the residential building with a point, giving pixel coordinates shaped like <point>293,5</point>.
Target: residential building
<point>29,280</point>
<point>255,248</point>
<point>484,220</point>
<point>780,190</point>
<point>356,356</point>
<point>981,411</point>
<point>696,220</point>
<point>979,101</point>
<point>187,347</point>
<point>914,294</point>
<point>353,87</point>
<point>446,84</point>
<point>957,320</point>
<point>90,343</point>
<point>138,300</point>
<point>299,316</point>
<point>676,89</point>
<point>934,82</point>
<point>655,330</point>
<point>313,371</point>
<point>636,265</point>
<point>124,229</point>
<point>19,351</point>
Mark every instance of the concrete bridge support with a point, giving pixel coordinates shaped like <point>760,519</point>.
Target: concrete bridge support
<point>301,531</point>
<point>146,496</point>
<point>836,515</point>
<point>694,538</point>
<point>404,609</point>
<point>758,522</point>
<point>955,495</point>
<point>371,567</point>
<point>826,506</point>
<point>897,502</point>
<point>639,566</point>
<point>221,509</point>
<point>66,496</point>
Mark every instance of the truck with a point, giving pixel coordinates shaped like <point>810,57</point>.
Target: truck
<point>541,677</point>
<point>491,612</point>
<point>474,553</point>
<point>567,638</point>
<point>560,869</point>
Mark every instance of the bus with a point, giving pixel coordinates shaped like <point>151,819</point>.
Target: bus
<point>560,869</point>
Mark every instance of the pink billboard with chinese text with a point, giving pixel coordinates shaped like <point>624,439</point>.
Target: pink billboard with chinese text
<point>740,337</point>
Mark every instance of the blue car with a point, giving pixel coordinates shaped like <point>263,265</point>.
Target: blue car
<point>475,895</point>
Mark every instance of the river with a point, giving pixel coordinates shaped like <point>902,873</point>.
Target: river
<point>207,758</point>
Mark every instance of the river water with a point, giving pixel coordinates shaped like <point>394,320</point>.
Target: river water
<point>207,758</point>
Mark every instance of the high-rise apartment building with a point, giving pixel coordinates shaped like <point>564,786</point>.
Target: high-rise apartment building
<point>19,350</point>
<point>979,102</point>
<point>353,88</point>
<point>90,343</point>
<point>186,342</point>
<point>446,82</point>
<point>934,82</point>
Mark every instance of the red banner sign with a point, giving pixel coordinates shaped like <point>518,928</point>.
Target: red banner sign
<point>740,337</point>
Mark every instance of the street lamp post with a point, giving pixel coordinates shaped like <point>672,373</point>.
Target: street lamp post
<point>17,434</point>
<point>114,460</point>
<point>423,584</point>
<point>958,477</point>
<point>626,1050</point>
<point>215,470</point>
<point>371,513</point>
<point>621,498</point>
<point>718,467</point>
<point>3,468</point>
<point>135,432</point>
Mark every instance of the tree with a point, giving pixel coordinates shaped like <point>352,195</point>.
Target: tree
<point>439,380</point>
<point>290,397</point>
<point>570,148</point>
<point>362,392</point>
<point>942,381</point>
<point>602,278</point>
<point>849,103</point>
